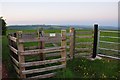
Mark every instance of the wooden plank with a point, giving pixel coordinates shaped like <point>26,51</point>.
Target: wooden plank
<point>38,51</point>
<point>23,40</point>
<point>82,54</point>
<point>84,36</point>
<point>45,39</point>
<point>15,61</point>
<point>20,57</point>
<point>31,47</point>
<point>84,43</point>
<point>42,76</point>
<point>52,54</point>
<point>13,38</point>
<point>54,49</point>
<point>36,63</point>
<point>43,69</point>
<point>72,45</point>
<point>83,49</point>
<point>30,52</point>
<point>13,49</point>
<point>41,44</point>
<point>63,44</point>
<point>16,69</point>
<point>85,32</point>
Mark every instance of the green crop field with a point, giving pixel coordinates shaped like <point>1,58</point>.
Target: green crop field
<point>78,67</point>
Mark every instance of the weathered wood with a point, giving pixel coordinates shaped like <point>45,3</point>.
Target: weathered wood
<point>72,45</point>
<point>42,76</point>
<point>16,69</point>
<point>43,69</point>
<point>20,57</point>
<point>83,49</point>
<point>36,63</point>
<point>84,43</point>
<point>15,61</point>
<point>63,44</point>
<point>12,38</point>
<point>41,44</point>
<point>84,36</point>
<point>31,47</point>
<point>52,55</point>
<point>82,54</point>
<point>45,39</point>
<point>85,32</point>
<point>13,49</point>
<point>38,51</point>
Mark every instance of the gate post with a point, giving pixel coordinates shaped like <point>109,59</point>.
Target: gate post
<point>20,57</point>
<point>63,45</point>
<point>95,41</point>
<point>41,44</point>
<point>72,42</point>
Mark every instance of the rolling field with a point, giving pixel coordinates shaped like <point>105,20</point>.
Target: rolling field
<point>78,67</point>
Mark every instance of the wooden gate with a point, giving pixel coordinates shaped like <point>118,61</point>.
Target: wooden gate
<point>50,58</point>
<point>81,42</point>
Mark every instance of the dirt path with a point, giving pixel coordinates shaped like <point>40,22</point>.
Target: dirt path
<point>4,71</point>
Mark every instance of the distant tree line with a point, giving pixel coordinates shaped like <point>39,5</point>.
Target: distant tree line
<point>3,26</point>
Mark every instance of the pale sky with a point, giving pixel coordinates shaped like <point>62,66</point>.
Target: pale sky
<point>62,13</point>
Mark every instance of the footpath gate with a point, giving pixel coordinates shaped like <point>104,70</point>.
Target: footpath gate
<point>109,44</point>
<point>83,42</point>
<point>24,58</point>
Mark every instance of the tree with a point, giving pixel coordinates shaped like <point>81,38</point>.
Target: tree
<point>3,25</point>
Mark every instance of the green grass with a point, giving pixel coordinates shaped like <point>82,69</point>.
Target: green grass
<point>77,68</point>
<point>84,68</point>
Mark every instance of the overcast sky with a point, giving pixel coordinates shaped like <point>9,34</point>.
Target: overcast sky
<point>63,13</point>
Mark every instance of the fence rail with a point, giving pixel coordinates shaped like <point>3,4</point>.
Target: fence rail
<point>18,53</point>
<point>76,48</point>
<point>108,42</point>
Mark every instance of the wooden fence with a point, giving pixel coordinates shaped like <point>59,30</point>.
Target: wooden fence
<point>50,58</point>
<point>46,64</point>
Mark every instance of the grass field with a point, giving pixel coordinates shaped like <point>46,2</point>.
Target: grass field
<point>77,68</point>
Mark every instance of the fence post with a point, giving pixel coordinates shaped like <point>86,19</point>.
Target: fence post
<point>72,42</point>
<point>95,43</point>
<point>20,57</point>
<point>63,44</point>
<point>41,44</point>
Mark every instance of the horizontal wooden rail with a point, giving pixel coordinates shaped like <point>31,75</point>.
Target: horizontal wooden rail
<point>13,49</point>
<point>36,63</point>
<point>84,43</point>
<point>16,69</point>
<point>83,49</point>
<point>52,55</point>
<point>13,38</point>
<point>44,39</point>
<point>82,54</point>
<point>42,76</point>
<point>38,51</point>
<point>43,69</point>
<point>69,34</point>
<point>15,61</point>
<point>84,36</point>
<point>85,32</point>
<point>31,47</point>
